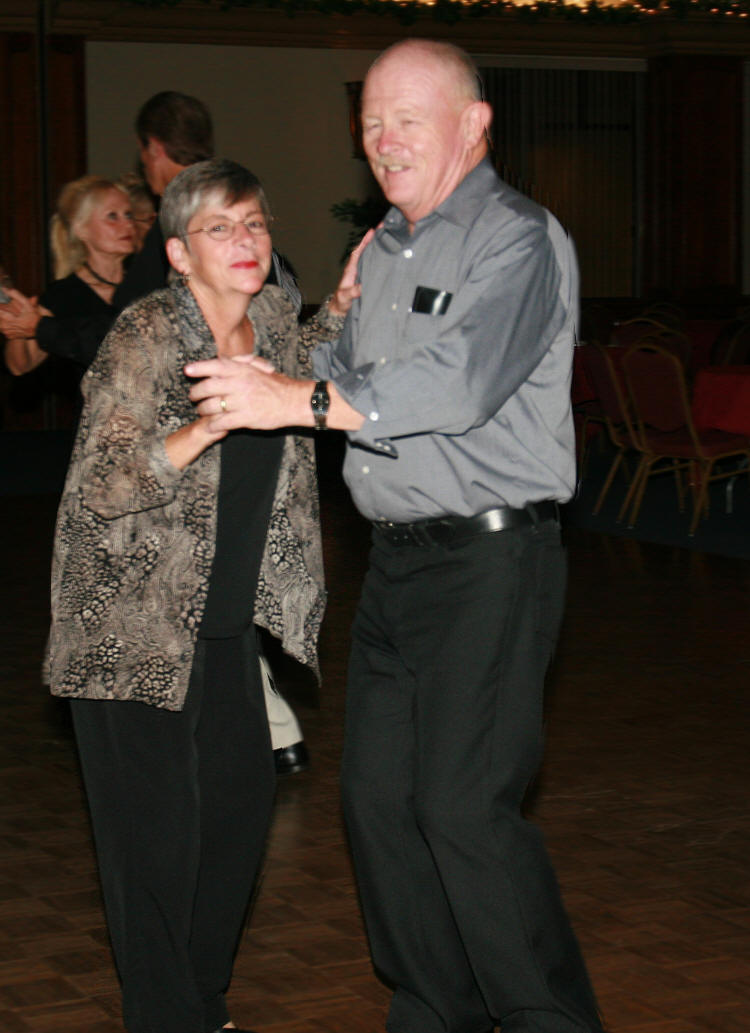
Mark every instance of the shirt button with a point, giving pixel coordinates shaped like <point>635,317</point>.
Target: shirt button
<point>365,469</point>
<point>383,361</point>
<point>394,306</point>
<point>408,253</point>
<point>374,415</point>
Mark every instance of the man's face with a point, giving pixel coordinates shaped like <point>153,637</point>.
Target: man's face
<point>412,119</point>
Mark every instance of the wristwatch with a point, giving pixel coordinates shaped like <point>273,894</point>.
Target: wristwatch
<point>320,403</point>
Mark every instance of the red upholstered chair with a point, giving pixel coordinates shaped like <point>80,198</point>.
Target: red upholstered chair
<point>666,436</point>
<point>629,331</point>
<point>588,416</point>
<point>612,395</point>
<point>671,340</point>
<point>666,312</point>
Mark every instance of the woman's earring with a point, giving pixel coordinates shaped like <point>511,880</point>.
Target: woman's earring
<point>184,279</point>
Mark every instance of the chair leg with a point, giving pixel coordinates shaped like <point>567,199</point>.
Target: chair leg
<point>701,501</point>
<point>608,482</point>
<point>640,493</point>
<point>643,464</point>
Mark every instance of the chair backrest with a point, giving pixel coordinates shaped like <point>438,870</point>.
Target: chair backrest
<point>610,389</point>
<point>666,312</point>
<point>670,340</point>
<point>657,387</point>
<point>629,331</point>
<point>603,378</point>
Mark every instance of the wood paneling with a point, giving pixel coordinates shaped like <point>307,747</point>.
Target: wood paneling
<point>42,138</point>
<point>693,170</point>
<point>66,106</point>
<point>21,231</point>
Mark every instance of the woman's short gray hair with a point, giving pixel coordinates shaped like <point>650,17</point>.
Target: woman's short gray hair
<point>191,189</point>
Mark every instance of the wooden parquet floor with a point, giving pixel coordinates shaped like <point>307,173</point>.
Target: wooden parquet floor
<point>643,800</point>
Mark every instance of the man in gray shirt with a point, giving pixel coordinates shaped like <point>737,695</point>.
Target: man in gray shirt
<point>452,380</point>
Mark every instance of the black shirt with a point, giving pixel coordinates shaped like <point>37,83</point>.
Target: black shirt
<point>249,471</point>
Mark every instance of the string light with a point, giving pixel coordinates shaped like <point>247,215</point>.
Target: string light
<point>609,11</point>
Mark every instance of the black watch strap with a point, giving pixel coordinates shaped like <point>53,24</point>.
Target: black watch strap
<point>320,403</point>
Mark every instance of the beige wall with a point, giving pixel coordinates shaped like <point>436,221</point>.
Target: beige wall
<point>281,112</point>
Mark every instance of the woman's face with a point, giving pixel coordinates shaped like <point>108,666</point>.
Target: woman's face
<point>232,259</point>
<point>109,229</point>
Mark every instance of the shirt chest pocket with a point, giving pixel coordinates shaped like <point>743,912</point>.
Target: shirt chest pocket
<point>428,314</point>
<point>430,301</point>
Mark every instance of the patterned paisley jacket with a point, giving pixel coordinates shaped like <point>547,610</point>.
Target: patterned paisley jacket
<point>135,536</point>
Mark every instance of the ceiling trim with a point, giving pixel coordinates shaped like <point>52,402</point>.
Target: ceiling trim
<point>196,21</point>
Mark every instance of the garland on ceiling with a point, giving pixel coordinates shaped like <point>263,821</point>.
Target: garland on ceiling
<point>451,11</point>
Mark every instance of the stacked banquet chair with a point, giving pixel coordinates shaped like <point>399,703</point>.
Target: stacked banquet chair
<point>588,414</point>
<point>666,436</point>
<point>610,390</point>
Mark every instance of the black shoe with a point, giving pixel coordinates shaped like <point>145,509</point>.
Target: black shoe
<point>292,759</point>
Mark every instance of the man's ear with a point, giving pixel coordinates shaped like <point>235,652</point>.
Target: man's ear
<point>155,148</point>
<point>178,255</point>
<point>476,120</point>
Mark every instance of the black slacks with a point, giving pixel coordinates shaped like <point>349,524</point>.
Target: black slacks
<point>443,735</point>
<point>180,806</point>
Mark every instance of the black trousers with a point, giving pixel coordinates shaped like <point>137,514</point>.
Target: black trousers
<point>443,735</point>
<point>180,806</point>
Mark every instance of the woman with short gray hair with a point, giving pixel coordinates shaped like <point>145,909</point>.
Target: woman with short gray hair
<point>174,542</point>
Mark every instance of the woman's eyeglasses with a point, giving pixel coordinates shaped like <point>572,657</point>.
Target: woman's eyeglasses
<point>258,226</point>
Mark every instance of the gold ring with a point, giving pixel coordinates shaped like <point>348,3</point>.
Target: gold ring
<point>223,404</point>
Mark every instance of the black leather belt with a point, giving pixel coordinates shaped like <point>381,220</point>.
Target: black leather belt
<point>452,529</point>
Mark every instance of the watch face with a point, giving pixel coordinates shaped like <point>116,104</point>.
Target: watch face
<point>320,399</point>
<point>320,402</point>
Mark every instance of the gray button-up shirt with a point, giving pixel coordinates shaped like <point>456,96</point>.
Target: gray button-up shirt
<point>459,356</point>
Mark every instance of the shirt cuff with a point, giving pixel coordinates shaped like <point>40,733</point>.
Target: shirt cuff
<point>355,387</point>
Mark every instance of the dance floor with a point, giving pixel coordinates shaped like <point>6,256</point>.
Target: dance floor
<point>642,798</point>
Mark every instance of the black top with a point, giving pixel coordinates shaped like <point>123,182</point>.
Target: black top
<point>249,471</point>
<point>77,334</point>
<point>72,298</point>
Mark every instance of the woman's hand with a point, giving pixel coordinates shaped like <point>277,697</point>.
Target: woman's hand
<point>186,444</point>
<point>348,288</point>
<point>20,316</point>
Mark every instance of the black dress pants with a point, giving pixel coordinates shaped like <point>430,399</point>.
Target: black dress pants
<point>180,806</point>
<point>443,736</point>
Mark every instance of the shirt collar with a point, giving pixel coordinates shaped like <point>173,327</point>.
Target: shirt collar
<point>460,207</point>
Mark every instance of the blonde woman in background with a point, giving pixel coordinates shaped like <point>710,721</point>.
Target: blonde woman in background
<point>91,234</point>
